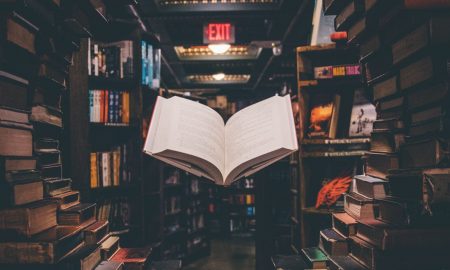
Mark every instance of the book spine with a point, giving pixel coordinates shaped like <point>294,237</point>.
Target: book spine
<point>120,108</point>
<point>416,73</point>
<point>94,180</point>
<point>111,106</point>
<point>91,106</point>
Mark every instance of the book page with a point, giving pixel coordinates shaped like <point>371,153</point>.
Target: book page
<point>258,130</point>
<point>187,128</point>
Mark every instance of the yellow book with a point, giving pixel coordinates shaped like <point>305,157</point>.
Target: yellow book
<point>94,178</point>
<point>248,199</point>
<point>116,159</point>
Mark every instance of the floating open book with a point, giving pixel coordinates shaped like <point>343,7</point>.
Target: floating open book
<point>194,137</point>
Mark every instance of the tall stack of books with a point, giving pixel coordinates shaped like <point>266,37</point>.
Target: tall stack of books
<point>395,215</point>
<point>40,214</point>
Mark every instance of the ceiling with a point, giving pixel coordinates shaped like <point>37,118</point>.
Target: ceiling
<point>249,69</point>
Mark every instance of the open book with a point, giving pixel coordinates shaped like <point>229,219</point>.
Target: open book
<point>194,137</point>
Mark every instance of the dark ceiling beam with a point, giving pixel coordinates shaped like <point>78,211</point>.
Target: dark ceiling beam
<point>286,34</point>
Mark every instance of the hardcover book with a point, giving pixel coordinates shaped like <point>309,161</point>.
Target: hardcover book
<point>344,224</point>
<point>315,258</point>
<point>344,263</point>
<point>57,186</point>
<point>406,184</point>
<point>87,258</point>
<point>21,192</point>
<point>386,141</point>
<point>333,243</point>
<point>133,258</point>
<point>29,220</point>
<point>16,141</point>
<point>193,137</point>
<point>388,237</point>
<point>13,91</point>
<point>423,154</point>
<point>359,207</point>
<point>109,247</point>
<point>48,247</point>
<point>398,211</point>
<point>379,164</point>
<point>67,199</point>
<point>364,253</point>
<point>385,88</point>
<point>80,214</point>
<point>436,193</point>
<point>97,232</point>
<point>421,97</point>
<point>369,187</point>
<point>392,124</point>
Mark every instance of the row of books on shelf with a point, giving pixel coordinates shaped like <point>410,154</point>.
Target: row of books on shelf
<point>239,225</point>
<point>111,168</point>
<point>172,204</point>
<point>109,107</point>
<point>116,211</point>
<point>111,60</point>
<point>242,199</point>
<point>195,223</point>
<point>151,65</point>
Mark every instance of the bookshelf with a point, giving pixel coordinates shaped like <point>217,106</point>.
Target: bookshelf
<point>107,122</point>
<point>323,73</point>
<point>239,200</point>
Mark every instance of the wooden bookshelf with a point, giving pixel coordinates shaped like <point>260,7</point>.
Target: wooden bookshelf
<point>322,158</point>
<point>86,137</point>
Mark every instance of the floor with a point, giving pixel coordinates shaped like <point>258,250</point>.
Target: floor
<point>228,254</point>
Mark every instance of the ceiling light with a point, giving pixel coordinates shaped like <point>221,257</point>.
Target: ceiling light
<point>219,76</point>
<point>219,48</point>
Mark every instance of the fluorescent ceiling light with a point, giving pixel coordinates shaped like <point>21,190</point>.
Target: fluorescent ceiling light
<point>219,48</point>
<point>204,53</point>
<point>219,76</point>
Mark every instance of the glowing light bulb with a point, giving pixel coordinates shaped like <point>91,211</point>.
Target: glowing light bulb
<point>219,48</point>
<point>219,76</point>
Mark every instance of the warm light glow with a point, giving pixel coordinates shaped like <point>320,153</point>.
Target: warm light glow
<point>219,48</point>
<point>219,76</point>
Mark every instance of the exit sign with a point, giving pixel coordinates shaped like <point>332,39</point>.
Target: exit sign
<point>218,33</point>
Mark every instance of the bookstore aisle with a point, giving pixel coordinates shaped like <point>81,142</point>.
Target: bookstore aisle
<point>224,134</point>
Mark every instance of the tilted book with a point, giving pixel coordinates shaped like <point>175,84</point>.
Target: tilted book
<point>194,137</point>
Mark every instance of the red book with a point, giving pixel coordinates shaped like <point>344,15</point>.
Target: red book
<point>133,258</point>
<point>106,106</point>
<point>339,36</point>
<point>426,4</point>
<point>102,106</point>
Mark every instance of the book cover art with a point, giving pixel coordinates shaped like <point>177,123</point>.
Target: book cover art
<point>362,117</point>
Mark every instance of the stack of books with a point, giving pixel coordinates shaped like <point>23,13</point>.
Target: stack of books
<point>41,217</point>
<point>110,168</point>
<point>395,215</point>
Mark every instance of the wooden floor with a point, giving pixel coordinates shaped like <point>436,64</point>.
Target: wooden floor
<point>228,254</point>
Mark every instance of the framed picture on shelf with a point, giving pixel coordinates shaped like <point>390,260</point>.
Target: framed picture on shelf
<point>363,115</point>
<point>323,115</point>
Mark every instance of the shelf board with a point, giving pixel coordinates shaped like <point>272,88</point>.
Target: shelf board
<point>111,125</point>
<point>343,154</point>
<point>125,189</point>
<point>313,210</point>
<point>335,141</point>
<point>111,83</point>
<point>351,81</point>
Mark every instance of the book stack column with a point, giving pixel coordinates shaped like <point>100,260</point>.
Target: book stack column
<point>335,120</point>
<point>42,219</point>
<point>395,215</point>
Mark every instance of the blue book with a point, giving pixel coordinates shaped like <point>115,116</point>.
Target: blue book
<point>150,65</point>
<point>144,61</point>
